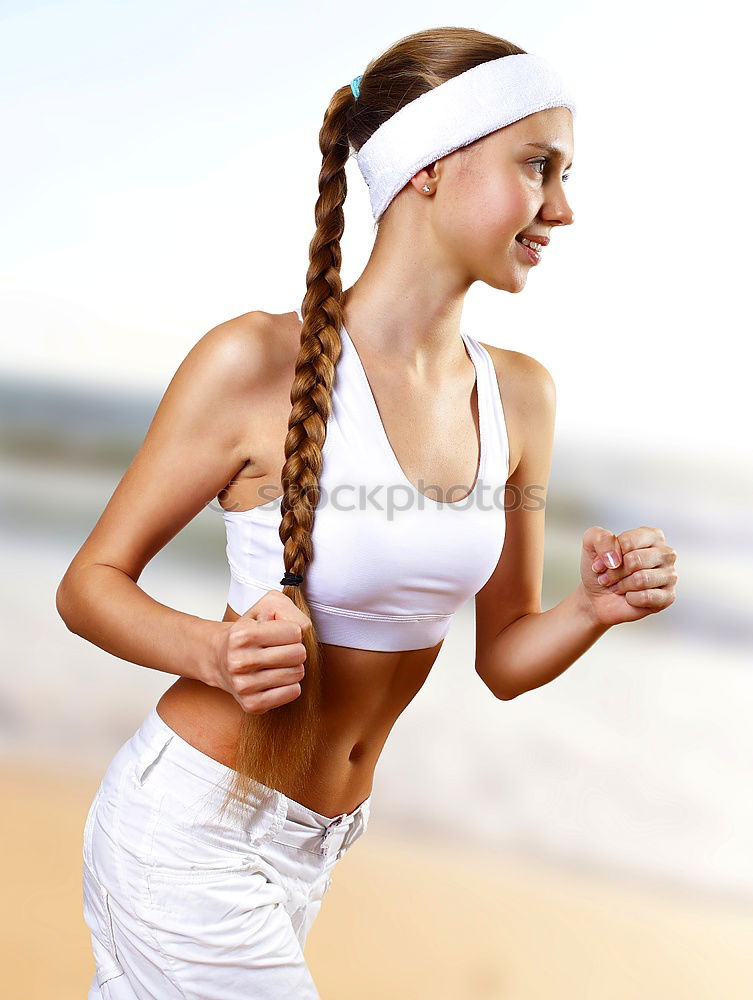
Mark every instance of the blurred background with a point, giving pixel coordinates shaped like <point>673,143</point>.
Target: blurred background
<point>591,838</point>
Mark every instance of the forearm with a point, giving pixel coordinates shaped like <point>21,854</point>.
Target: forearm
<point>539,647</point>
<point>106,607</point>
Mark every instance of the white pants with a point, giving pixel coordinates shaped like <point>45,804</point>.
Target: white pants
<point>183,906</point>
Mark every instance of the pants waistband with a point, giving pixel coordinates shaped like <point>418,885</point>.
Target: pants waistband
<point>295,824</point>
<point>333,839</point>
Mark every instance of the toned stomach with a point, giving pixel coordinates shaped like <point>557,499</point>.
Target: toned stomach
<point>363,694</point>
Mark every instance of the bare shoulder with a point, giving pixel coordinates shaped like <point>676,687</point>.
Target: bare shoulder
<point>249,361</point>
<point>528,394</point>
<point>517,369</point>
<point>247,349</point>
<point>224,411</point>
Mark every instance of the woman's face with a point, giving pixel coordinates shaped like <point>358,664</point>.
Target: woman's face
<point>500,186</point>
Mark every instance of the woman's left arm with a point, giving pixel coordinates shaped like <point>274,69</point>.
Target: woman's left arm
<point>624,577</point>
<point>538,647</point>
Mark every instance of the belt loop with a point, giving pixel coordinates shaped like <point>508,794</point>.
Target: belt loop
<point>278,820</point>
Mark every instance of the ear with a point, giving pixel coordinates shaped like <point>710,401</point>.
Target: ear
<point>426,175</point>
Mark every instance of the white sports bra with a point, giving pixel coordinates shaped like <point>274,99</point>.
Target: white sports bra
<point>391,565</point>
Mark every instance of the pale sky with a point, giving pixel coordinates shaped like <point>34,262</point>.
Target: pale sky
<point>160,172</point>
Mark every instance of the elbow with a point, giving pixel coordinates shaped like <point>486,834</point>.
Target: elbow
<point>64,604</point>
<point>506,695</point>
<point>494,687</point>
<point>60,605</point>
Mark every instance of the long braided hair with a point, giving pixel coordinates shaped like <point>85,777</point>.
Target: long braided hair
<point>277,748</point>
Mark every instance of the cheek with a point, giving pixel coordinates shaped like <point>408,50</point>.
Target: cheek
<point>500,207</point>
<point>483,210</point>
<point>499,216</point>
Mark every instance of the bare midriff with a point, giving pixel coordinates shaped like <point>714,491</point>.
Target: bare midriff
<point>363,694</point>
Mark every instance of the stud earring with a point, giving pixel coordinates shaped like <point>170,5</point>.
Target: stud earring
<point>426,188</point>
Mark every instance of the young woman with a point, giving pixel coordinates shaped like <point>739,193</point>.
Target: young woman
<point>409,475</point>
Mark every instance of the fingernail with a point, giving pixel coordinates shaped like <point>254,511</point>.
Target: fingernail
<point>604,578</point>
<point>610,558</point>
<point>598,566</point>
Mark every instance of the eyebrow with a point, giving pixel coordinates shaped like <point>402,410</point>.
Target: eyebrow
<point>554,150</point>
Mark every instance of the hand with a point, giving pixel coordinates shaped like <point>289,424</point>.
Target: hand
<point>628,576</point>
<point>260,657</point>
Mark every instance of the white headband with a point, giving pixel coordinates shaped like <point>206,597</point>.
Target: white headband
<point>454,114</point>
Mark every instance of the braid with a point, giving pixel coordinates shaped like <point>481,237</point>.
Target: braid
<point>277,747</point>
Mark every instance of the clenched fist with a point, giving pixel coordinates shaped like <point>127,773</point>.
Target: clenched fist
<point>627,576</point>
<point>260,659</point>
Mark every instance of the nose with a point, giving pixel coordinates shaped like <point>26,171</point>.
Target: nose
<point>556,210</point>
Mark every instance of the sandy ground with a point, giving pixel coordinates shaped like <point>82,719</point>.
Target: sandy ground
<point>403,919</point>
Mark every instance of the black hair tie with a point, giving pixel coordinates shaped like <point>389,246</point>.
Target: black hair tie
<point>291,579</point>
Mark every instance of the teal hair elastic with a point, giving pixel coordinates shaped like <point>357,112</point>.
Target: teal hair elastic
<point>355,86</point>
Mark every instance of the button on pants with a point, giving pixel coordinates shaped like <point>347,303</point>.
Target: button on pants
<point>183,904</point>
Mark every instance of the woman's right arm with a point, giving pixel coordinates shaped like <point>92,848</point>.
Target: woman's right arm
<point>194,447</point>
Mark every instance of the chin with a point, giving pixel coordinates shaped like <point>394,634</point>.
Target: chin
<point>509,283</point>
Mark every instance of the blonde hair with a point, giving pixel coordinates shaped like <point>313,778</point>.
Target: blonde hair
<point>278,746</point>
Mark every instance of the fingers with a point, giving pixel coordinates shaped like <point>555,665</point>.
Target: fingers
<point>283,607</point>
<point>643,579</point>
<point>261,678</point>
<point>263,663</point>
<point>289,655</point>
<point>275,643</point>
<point>603,547</point>
<point>266,680</point>
<point>259,702</point>
<point>636,564</point>
<point>641,538</point>
<point>275,605</point>
<point>639,561</point>
<point>654,599</point>
<point>610,550</point>
<point>275,632</point>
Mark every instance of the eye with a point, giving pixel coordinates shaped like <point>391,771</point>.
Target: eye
<point>544,160</point>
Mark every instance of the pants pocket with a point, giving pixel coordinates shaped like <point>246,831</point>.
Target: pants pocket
<point>228,934</point>
<point>185,847</point>
<point>98,919</point>
<point>149,757</point>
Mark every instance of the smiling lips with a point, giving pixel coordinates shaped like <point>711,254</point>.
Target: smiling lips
<point>531,244</point>
<point>532,255</point>
<point>534,238</point>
